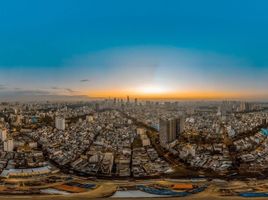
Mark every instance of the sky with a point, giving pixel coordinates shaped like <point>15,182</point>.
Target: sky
<point>144,48</point>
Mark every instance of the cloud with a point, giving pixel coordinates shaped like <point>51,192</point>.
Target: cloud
<point>18,93</point>
<point>3,86</point>
<point>70,90</point>
<point>32,92</point>
<point>55,88</point>
<point>84,80</point>
<point>63,89</point>
<point>37,95</point>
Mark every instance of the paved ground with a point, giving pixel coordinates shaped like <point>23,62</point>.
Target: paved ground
<point>87,198</point>
<point>107,189</point>
<point>104,190</point>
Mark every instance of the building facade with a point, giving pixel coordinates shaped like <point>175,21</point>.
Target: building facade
<point>169,130</point>
<point>3,134</point>
<point>9,145</point>
<point>60,123</point>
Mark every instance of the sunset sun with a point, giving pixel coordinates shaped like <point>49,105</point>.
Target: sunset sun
<point>152,89</point>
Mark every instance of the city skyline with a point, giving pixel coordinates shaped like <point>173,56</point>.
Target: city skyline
<point>139,99</point>
<point>145,50</point>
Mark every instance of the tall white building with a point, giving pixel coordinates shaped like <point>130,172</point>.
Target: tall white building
<point>60,123</point>
<point>9,145</point>
<point>3,134</point>
<point>107,163</point>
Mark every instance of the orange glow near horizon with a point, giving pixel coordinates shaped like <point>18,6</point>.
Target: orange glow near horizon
<point>157,93</point>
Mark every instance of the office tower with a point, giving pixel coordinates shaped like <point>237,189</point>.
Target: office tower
<point>97,106</point>
<point>244,106</point>
<point>60,123</point>
<point>136,101</point>
<point>170,129</point>
<point>3,134</point>
<point>248,106</point>
<point>127,99</point>
<point>178,125</point>
<point>9,145</point>
<point>167,131</point>
<point>182,125</point>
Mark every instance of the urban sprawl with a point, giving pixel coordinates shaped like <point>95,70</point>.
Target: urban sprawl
<point>131,138</point>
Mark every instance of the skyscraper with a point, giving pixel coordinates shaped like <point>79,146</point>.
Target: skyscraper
<point>127,99</point>
<point>181,125</point>
<point>9,145</point>
<point>3,134</point>
<point>170,129</point>
<point>60,123</point>
<point>136,101</point>
<point>244,107</point>
<point>97,107</point>
<point>167,131</point>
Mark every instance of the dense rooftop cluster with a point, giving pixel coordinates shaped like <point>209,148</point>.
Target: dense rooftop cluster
<point>113,138</point>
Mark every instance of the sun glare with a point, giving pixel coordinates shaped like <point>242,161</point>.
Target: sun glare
<point>152,89</point>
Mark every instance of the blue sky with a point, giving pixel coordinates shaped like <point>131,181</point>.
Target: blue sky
<point>55,44</point>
